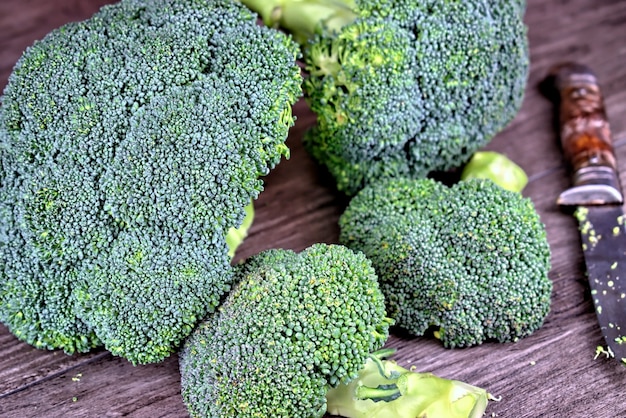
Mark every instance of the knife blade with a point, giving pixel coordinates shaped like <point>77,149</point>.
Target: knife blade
<point>595,195</point>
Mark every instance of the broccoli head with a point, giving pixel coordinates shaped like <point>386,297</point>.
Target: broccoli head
<point>361,85</point>
<point>470,261</point>
<point>131,145</point>
<point>405,88</point>
<point>295,325</point>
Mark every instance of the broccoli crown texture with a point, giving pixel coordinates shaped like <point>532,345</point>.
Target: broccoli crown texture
<point>362,87</point>
<point>412,87</point>
<point>471,260</point>
<point>295,325</point>
<point>131,143</point>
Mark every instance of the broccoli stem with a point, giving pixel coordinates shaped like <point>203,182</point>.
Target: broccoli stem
<point>236,235</point>
<point>377,394</point>
<point>496,167</point>
<point>385,389</point>
<point>304,18</point>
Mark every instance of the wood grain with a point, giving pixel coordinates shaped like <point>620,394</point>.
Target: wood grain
<point>552,373</point>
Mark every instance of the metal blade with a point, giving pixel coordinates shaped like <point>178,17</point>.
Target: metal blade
<point>604,245</point>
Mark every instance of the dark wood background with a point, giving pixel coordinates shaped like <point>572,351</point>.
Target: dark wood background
<point>549,374</point>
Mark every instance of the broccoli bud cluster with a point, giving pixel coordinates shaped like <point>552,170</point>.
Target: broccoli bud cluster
<point>409,88</point>
<point>130,144</point>
<point>470,261</point>
<point>295,325</point>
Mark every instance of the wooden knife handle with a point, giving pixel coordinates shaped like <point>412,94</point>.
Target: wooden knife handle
<point>586,136</point>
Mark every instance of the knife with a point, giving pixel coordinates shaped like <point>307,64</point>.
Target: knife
<point>595,195</point>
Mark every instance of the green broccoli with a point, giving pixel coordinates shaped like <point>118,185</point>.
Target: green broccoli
<point>405,88</point>
<point>385,389</point>
<point>295,325</point>
<point>131,144</point>
<point>293,339</point>
<point>470,261</point>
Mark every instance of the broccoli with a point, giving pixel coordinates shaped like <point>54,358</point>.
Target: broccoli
<point>295,325</point>
<point>131,144</point>
<point>406,88</point>
<point>295,338</point>
<point>469,261</point>
<point>385,389</point>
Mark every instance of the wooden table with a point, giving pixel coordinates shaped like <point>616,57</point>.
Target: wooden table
<point>552,373</point>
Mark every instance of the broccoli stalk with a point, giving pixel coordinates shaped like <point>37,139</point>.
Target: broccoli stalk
<point>304,18</point>
<point>496,167</point>
<point>386,389</point>
<point>236,235</point>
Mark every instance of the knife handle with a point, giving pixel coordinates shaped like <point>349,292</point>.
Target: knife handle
<point>585,138</point>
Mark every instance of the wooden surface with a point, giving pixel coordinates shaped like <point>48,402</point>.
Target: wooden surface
<point>549,374</point>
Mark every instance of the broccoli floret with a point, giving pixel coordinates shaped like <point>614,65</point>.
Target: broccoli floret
<point>469,261</point>
<point>385,389</point>
<point>131,144</point>
<point>295,325</point>
<point>361,85</point>
<point>405,88</point>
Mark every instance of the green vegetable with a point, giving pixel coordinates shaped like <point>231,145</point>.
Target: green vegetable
<point>406,88</point>
<point>600,350</point>
<point>130,144</point>
<point>295,325</point>
<point>386,390</point>
<point>304,18</point>
<point>496,167</point>
<point>469,261</point>
<point>235,236</point>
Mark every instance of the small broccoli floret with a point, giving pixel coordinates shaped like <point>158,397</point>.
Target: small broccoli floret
<point>131,145</point>
<point>361,84</point>
<point>470,261</point>
<point>147,294</point>
<point>406,88</point>
<point>385,389</point>
<point>295,325</point>
<point>33,298</point>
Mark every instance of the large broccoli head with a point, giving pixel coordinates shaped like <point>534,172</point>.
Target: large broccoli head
<point>294,326</point>
<point>130,144</point>
<point>470,261</point>
<point>412,87</point>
